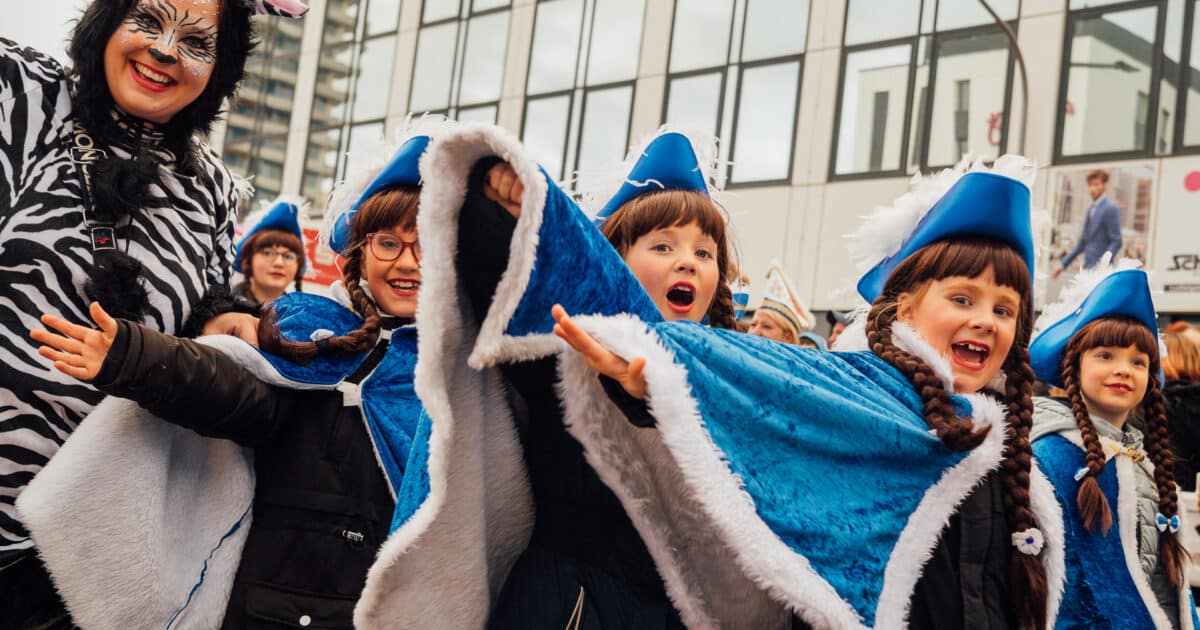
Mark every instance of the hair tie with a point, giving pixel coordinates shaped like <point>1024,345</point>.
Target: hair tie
<point>323,345</point>
<point>1029,541</point>
<point>1081,473</point>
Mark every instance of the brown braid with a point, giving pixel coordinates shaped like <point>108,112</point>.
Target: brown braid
<point>958,434</point>
<point>1158,444</point>
<point>1027,576</point>
<point>720,312</point>
<point>390,207</point>
<point>1092,504</point>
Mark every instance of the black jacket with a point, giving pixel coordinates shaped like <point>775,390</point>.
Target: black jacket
<point>1182,400</point>
<point>583,548</point>
<point>322,506</point>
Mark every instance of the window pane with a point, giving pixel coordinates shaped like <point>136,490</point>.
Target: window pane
<point>483,113</point>
<point>483,61</point>
<point>775,28</point>
<point>1191,131</point>
<point>259,157</point>
<point>877,20</point>
<point>341,21</point>
<point>766,116</point>
<point>916,135</point>
<point>1084,4</point>
<point>602,141</point>
<point>968,99</point>
<point>320,164</point>
<point>484,5</point>
<point>374,77</point>
<point>695,101</point>
<point>382,16</point>
<point>961,14</point>
<point>1164,134</point>
<point>700,38</point>
<point>1109,83</point>
<point>439,10</point>
<point>555,46</point>
<point>874,95</point>
<point>331,97</point>
<point>545,131</point>
<point>616,41</point>
<point>434,67</point>
<point>362,141</point>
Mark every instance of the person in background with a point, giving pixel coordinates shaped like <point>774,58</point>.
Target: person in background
<point>274,254</point>
<point>1101,233</point>
<point>781,316</point>
<point>1181,395</point>
<point>812,340</point>
<point>838,320</point>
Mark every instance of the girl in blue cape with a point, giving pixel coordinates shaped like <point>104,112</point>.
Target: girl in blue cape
<point>886,487</point>
<point>1125,563</point>
<point>328,409</point>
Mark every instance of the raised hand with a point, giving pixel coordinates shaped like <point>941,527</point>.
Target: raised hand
<point>630,374</point>
<point>502,186</point>
<point>79,351</point>
<point>241,325</point>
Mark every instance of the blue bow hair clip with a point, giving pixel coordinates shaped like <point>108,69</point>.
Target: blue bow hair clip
<point>1163,523</point>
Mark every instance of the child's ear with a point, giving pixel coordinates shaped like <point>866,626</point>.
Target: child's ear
<point>905,307</point>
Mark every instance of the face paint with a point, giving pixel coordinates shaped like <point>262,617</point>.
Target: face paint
<point>160,58</point>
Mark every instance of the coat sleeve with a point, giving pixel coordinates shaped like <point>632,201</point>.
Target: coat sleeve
<point>1112,229</point>
<point>193,386</point>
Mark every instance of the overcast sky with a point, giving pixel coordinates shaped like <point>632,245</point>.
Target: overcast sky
<point>42,24</point>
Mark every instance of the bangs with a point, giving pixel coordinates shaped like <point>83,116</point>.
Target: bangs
<point>967,257</point>
<point>273,238</point>
<point>1119,332</point>
<point>664,209</point>
<point>386,209</point>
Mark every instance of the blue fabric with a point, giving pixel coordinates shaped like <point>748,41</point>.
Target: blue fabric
<point>833,448</point>
<point>401,170</point>
<point>390,405</point>
<point>577,267</point>
<point>1124,293</point>
<point>979,204</point>
<point>668,163</point>
<point>282,216</point>
<point>414,488</point>
<point>1101,234</point>
<point>1100,593</point>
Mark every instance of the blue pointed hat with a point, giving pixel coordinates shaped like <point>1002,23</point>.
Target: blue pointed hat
<point>283,216</point>
<point>668,163</point>
<point>1122,293</point>
<point>978,204</point>
<point>401,170</point>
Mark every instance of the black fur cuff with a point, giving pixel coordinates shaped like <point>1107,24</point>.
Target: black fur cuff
<point>216,300</point>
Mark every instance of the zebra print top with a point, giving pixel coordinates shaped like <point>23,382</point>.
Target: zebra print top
<point>184,241</point>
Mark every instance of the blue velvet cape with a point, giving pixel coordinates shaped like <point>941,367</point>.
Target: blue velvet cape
<point>1106,585</point>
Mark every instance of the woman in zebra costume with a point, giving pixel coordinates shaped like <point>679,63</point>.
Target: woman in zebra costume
<point>106,193</point>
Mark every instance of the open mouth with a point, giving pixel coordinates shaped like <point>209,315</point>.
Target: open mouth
<point>1120,388</point>
<point>681,297</point>
<point>151,78</point>
<point>404,287</point>
<point>970,354</point>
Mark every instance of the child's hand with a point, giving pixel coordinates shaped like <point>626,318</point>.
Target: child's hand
<point>81,352</point>
<point>241,325</point>
<point>502,186</point>
<point>630,374</point>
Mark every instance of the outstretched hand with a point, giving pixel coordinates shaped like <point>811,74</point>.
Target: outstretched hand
<point>79,351</point>
<point>502,186</point>
<point>629,374</point>
<point>244,326</point>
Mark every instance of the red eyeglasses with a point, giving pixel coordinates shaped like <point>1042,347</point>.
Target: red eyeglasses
<point>387,248</point>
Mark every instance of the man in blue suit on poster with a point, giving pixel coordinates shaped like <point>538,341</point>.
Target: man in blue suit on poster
<point>1101,226</point>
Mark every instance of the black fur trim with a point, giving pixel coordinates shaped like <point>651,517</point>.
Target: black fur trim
<point>122,186</point>
<point>216,301</point>
<point>115,281</point>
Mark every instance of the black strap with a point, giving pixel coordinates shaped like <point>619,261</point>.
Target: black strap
<point>85,153</point>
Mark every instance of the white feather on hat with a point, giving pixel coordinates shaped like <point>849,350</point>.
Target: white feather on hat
<point>595,187</point>
<point>1077,290</point>
<point>882,233</point>
<point>370,163</point>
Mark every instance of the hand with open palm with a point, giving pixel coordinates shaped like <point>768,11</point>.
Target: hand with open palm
<point>629,374</point>
<point>79,351</point>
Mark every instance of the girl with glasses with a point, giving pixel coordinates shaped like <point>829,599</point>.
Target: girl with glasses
<point>274,253</point>
<point>327,408</point>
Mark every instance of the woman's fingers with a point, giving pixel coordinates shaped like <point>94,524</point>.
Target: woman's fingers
<point>58,356</point>
<point>65,327</point>
<point>103,319</point>
<point>79,373</point>
<point>66,344</point>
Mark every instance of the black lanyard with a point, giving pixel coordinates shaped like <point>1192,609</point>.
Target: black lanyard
<point>85,153</point>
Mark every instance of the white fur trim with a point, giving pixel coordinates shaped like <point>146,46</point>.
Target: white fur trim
<point>909,340</point>
<point>1078,289</point>
<point>1127,520</point>
<point>446,564</point>
<point>1048,513</point>
<point>885,231</point>
<point>680,451</point>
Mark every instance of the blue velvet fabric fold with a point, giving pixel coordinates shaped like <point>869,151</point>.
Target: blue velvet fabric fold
<point>390,405</point>
<point>833,448</point>
<point>574,266</point>
<point>1100,593</point>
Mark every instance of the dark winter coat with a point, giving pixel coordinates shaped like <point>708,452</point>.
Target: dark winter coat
<point>1182,399</point>
<point>322,506</point>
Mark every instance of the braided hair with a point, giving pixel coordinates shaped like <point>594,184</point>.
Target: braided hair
<point>669,208</point>
<point>971,257</point>
<point>1093,507</point>
<point>395,206</point>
